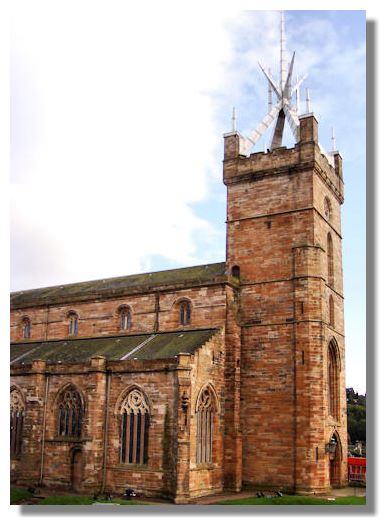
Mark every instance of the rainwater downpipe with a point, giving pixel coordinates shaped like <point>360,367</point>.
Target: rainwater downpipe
<point>44,427</point>
<point>108,382</point>
<point>294,341</point>
<point>46,322</point>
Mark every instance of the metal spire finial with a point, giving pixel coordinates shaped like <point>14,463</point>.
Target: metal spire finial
<point>333,140</point>
<point>308,101</point>
<point>283,60</point>
<point>283,108</point>
<point>233,120</point>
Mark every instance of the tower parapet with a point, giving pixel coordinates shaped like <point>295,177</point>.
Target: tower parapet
<point>306,151</point>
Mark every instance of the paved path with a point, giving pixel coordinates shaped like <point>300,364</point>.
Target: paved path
<point>211,499</point>
<point>351,491</point>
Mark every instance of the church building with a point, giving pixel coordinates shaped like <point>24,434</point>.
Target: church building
<point>220,377</point>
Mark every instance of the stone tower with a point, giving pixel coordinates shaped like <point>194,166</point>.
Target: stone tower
<point>284,244</point>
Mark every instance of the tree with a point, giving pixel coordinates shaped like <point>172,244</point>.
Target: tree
<point>356,410</point>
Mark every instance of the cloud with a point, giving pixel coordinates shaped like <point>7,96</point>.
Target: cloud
<point>117,118</point>
<point>113,140</point>
<point>335,64</point>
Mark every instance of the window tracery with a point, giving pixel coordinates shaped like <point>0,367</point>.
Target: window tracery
<point>70,413</point>
<point>206,408</point>
<point>135,423</point>
<point>17,411</point>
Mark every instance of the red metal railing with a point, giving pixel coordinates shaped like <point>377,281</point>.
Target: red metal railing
<point>357,467</point>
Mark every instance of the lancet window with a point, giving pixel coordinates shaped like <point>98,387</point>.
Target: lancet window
<point>125,318</point>
<point>73,324</point>
<point>17,411</point>
<point>26,327</point>
<point>330,260</point>
<point>333,379</point>
<point>70,413</point>
<point>135,422</point>
<point>184,312</point>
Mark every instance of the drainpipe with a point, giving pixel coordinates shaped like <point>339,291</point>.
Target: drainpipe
<point>294,344</point>
<point>108,381</point>
<point>46,323</point>
<point>157,309</point>
<point>44,427</point>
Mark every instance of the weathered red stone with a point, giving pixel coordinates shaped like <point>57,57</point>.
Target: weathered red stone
<point>267,362</point>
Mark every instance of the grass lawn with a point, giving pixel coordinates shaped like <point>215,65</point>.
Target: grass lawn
<point>296,499</point>
<point>83,499</point>
<point>19,494</point>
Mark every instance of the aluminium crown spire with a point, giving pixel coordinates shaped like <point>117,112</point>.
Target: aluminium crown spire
<point>283,109</point>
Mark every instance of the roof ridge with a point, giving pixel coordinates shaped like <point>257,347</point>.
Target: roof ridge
<point>125,276</point>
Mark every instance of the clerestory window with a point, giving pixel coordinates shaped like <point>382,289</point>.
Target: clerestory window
<point>73,324</point>
<point>184,313</point>
<point>125,318</point>
<point>26,327</point>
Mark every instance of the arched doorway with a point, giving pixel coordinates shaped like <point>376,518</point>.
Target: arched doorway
<point>76,469</point>
<point>334,451</point>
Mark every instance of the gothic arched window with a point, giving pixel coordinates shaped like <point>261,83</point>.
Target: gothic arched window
<point>333,379</point>
<point>70,413</point>
<point>135,421</point>
<point>205,411</point>
<point>73,324</point>
<point>16,422</point>
<point>331,311</point>
<point>184,312</point>
<point>125,318</point>
<point>330,260</point>
<point>26,325</point>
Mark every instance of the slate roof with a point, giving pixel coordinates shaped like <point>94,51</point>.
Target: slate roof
<point>97,289</point>
<point>140,347</point>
